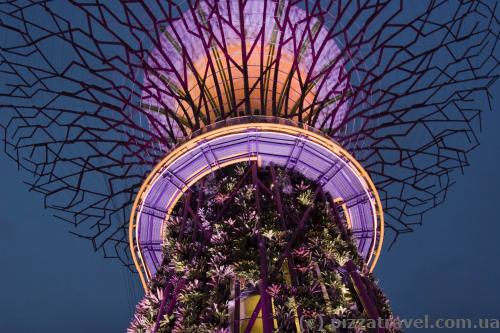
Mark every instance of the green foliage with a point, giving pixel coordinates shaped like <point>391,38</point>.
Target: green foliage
<point>217,250</point>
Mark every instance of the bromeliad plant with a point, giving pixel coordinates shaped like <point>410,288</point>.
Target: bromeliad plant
<point>252,248</point>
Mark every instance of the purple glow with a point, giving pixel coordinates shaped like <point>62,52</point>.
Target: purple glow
<point>295,152</point>
<point>301,43</point>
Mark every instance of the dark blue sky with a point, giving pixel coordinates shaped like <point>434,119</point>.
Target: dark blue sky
<point>52,281</point>
<point>449,267</point>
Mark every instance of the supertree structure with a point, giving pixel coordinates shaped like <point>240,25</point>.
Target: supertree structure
<point>245,157</point>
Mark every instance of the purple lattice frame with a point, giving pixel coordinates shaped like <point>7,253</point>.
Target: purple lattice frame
<point>416,77</point>
<point>271,143</point>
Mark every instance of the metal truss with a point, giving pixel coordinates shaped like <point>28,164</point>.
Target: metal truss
<point>91,98</point>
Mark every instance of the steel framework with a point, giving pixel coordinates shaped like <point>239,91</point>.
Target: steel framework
<point>274,142</point>
<point>93,95</point>
<point>262,317</point>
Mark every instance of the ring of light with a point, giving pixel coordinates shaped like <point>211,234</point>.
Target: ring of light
<point>314,156</point>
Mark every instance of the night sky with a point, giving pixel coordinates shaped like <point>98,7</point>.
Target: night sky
<point>52,281</point>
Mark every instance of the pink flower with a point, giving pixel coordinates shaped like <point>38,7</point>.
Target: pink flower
<point>274,290</point>
<point>301,252</point>
<point>220,198</point>
<point>218,237</point>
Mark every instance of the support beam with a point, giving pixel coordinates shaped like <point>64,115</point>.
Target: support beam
<point>267,311</point>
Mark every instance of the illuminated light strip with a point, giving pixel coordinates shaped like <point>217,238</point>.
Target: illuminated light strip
<point>340,202</point>
<point>237,136</point>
